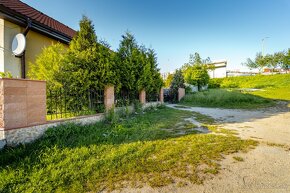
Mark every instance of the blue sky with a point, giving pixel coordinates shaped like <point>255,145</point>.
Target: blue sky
<point>229,30</point>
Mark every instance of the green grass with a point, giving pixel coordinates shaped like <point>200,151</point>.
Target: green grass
<point>238,158</point>
<point>67,115</point>
<point>137,151</point>
<point>223,98</point>
<point>273,86</point>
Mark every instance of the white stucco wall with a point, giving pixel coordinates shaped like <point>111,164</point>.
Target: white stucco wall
<point>218,73</point>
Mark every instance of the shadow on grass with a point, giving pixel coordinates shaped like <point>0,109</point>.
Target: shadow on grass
<point>98,157</point>
<point>145,127</point>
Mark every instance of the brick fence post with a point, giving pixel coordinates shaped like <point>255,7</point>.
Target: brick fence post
<point>109,97</point>
<point>161,96</point>
<point>142,96</point>
<point>181,93</point>
<point>23,103</point>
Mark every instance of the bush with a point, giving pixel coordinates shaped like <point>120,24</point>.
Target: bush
<point>226,83</point>
<point>215,82</point>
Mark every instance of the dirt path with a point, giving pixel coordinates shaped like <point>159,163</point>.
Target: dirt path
<point>268,125</point>
<point>266,169</point>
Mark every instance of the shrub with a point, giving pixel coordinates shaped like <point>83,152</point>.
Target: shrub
<point>215,83</point>
<point>137,106</point>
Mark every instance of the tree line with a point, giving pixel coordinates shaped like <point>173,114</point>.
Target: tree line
<point>89,63</point>
<point>274,61</point>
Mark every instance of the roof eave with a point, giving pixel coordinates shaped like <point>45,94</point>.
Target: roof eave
<point>43,29</point>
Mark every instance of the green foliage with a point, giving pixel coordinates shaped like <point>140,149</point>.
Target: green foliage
<point>89,65</point>
<point>278,59</point>
<point>137,66</point>
<point>177,82</point>
<point>6,75</point>
<point>195,72</point>
<point>101,157</point>
<point>111,117</point>
<point>215,82</point>
<point>48,66</point>
<point>168,80</point>
<point>137,106</point>
<point>225,99</point>
<point>272,86</point>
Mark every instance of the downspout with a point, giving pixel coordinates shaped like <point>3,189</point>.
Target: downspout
<point>23,73</point>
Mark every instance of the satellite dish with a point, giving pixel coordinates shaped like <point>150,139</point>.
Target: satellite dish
<point>18,44</point>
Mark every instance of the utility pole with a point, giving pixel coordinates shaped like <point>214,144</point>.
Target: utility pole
<point>263,45</point>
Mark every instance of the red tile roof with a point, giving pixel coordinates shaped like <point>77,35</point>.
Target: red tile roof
<point>37,16</point>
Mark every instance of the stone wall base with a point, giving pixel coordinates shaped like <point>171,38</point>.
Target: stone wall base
<point>28,134</point>
<point>2,143</point>
<point>18,136</point>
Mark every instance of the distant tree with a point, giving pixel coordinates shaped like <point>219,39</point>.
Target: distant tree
<point>286,61</point>
<point>47,66</point>
<point>273,61</point>
<point>196,71</point>
<point>168,80</point>
<point>261,61</point>
<point>282,59</point>
<point>177,82</point>
<point>250,64</point>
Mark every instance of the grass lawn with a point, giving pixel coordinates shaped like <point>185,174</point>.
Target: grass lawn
<point>225,98</point>
<point>272,86</point>
<point>143,149</point>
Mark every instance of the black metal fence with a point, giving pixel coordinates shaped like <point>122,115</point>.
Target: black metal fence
<point>152,97</point>
<point>125,98</point>
<point>66,104</point>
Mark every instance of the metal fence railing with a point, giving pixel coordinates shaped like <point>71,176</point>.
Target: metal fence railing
<point>65,104</point>
<point>152,97</point>
<point>125,98</point>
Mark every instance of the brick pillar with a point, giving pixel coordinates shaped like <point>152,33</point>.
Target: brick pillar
<point>161,96</point>
<point>142,97</point>
<point>109,97</point>
<point>181,93</point>
<point>23,103</point>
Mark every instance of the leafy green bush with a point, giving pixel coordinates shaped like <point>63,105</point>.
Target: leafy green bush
<point>137,106</point>
<point>215,82</point>
<point>226,83</point>
<point>6,75</point>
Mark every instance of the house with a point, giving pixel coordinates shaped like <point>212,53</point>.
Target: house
<point>219,70</point>
<point>39,30</point>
